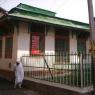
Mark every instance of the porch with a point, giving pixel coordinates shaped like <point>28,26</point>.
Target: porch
<point>73,70</point>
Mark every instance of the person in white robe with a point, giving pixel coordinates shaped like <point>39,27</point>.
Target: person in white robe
<point>19,74</point>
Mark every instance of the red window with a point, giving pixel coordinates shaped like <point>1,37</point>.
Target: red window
<point>8,46</point>
<point>37,38</point>
<point>37,43</point>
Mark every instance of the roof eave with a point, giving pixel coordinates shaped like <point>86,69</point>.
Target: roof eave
<point>30,20</point>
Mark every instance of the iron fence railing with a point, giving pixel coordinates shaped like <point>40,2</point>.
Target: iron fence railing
<point>70,69</point>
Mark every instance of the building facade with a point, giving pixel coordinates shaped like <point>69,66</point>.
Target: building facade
<point>26,31</point>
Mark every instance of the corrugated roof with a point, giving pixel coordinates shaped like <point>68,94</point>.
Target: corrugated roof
<point>23,11</point>
<point>50,20</point>
<point>34,10</point>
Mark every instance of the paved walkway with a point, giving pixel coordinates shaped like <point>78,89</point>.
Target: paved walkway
<point>6,88</point>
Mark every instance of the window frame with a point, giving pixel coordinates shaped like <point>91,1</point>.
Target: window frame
<point>37,29</point>
<point>8,51</point>
<point>39,51</point>
<point>83,42</point>
<point>61,54</point>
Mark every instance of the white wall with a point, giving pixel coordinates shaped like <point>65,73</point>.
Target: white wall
<point>50,41</point>
<point>23,40</point>
<point>73,43</point>
<point>21,46</point>
<point>50,46</point>
<point>73,48</point>
<point>88,46</point>
<point>1,14</point>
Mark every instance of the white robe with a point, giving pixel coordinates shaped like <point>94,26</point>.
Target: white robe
<point>19,73</point>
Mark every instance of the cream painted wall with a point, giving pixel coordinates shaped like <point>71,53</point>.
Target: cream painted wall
<point>87,46</point>
<point>73,48</point>
<point>73,43</point>
<point>23,40</point>
<point>21,45</point>
<point>1,14</point>
<point>50,41</point>
<point>14,56</point>
<point>50,46</point>
<point>87,51</point>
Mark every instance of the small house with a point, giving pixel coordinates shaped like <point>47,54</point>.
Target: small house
<point>29,31</point>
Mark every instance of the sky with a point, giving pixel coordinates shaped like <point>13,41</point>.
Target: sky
<point>69,9</point>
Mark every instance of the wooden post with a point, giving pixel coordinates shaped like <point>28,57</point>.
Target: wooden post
<point>92,39</point>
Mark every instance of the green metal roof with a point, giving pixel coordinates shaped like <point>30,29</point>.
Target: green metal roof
<point>34,10</point>
<point>23,11</point>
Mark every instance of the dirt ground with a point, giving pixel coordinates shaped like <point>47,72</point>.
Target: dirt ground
<point>6,88</point>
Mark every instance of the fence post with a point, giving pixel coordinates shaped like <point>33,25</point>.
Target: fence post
<point>81,68</point>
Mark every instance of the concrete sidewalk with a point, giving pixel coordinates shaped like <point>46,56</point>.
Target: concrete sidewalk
<point>6,88</point>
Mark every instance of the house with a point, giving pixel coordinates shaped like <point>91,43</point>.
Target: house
<point>27,30</point>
